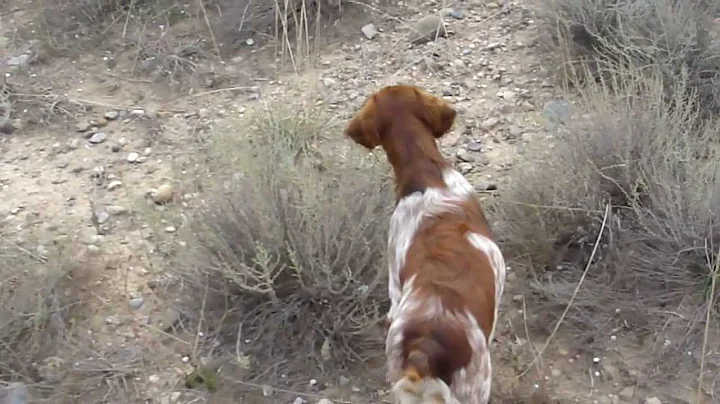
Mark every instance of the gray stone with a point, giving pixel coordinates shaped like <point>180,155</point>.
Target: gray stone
<point>427,29</point>
<point>83,126</point>
<point>627,392</point>
<point>18,61</point>
<point>489,123</point>
<point>369,31</point>
<point>114,185</point>
<point>463,155</point>
<point>98,137</point>
<point>112,115</point>
<point>136,303</point>
<point>116,210</point>
<point>102,216</point>
<point>474,146</point>
<point>557,112</point>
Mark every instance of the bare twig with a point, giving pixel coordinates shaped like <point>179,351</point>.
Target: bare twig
<point>711,302</point>
<point>209,27</point>
<point>575,292</point>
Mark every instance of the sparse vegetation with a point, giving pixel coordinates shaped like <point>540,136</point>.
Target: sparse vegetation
<point>659,172</point>
<point>42,354</point>
<point>263,265</point>
<point>149,27</point>
<point>286,248</point>
<point>594,38</point>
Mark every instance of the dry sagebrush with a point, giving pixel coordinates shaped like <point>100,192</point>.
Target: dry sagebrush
<point>290,247</point>
<point>676,38</point>
<point>659,171</point>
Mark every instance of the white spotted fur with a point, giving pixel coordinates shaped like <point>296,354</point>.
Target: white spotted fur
<point>472,384</point>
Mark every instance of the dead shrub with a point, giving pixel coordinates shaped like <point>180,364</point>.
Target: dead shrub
<point>292,22</point>
<point>46,355</point>
<point>658,170</point>
<point>677,38</point>
<point>285,249</point>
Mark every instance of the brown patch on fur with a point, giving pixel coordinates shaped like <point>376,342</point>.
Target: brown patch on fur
<point>405,121</point>
<point>448,267</point>
<point>445,264</point>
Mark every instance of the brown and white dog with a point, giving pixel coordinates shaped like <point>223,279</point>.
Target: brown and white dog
<point>446,274</point>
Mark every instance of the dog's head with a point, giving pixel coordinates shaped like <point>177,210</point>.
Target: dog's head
<point>369,127</point>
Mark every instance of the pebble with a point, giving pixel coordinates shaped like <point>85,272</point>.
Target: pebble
<point>20,60</point>
<point>98,138</point>
<point>116,210</point>
<point>112,115</point>
<point>474,146</point>
<point>114,185</point>
<point>102,216</point>
<point>463,155</point>
<point>133,157</point>
<point>653,400</point>
<point>324,401</point>
<point>465,168</point>
<point>507,95</point>
<point>489,123</point>
<point>298,400</point>
<point>83,126</point>
<point>136,303</point>
<point>369,31</point>
<point>170,229</point>
<point>73,144</point>
<point>163,194</point>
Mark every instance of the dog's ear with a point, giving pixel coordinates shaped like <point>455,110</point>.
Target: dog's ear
<point>363,127</point>
<point>435,112</point>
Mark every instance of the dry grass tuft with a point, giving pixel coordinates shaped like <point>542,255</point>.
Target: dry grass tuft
<point>224,25</point>
<point>658,169</point>
<point>42,355</point>
<point>677,38</point>
<point>291,23</point>
<point>285,250</point>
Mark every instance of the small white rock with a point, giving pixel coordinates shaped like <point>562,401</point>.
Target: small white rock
<point>114,185</point>
<point>133,157</point>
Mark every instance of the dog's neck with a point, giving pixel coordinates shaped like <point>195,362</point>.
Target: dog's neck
<point>415,158</point>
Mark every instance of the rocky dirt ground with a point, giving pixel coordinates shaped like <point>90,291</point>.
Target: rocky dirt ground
<point>90,182</point>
